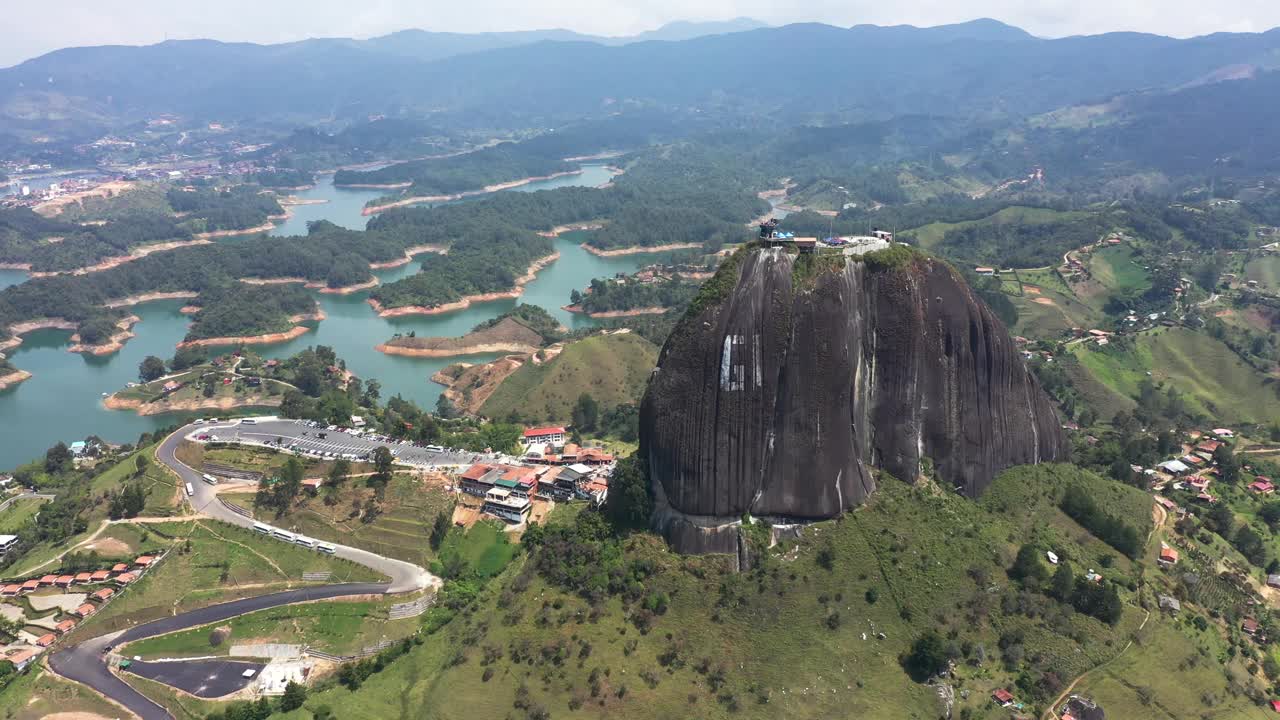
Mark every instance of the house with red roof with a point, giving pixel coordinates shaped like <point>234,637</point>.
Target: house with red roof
<point>84,610</point>
<point>30,585</point>
<point>84,577</point>
<point>1209,446</point>
<point>144,561</point>
<point>10,590</point>
<point>1002,697</point>
<point>119,567</point>
<point>1262,486</point>
<point>21,658</point>
<point>46,640</point>
<point>1249,626</point>
<point>103,595</point>
<point>100,575</point>
<point>126,578</point>
<point>48,579</point>
<point>64,580</point>
<point>64,627</point>
<point>1168,556</point>
<point>549,435</point>
<point>1275,706</point>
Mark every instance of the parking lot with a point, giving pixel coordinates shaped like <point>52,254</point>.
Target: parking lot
<point>202,678</point>
<point>319,441</point>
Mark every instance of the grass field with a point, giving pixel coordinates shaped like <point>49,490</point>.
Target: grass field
<point>400,530</point>
<point>929,236</point>
<point>39,694</point>
<point>1178,668</point>
<point>1265,270</point>
<point>485,547</point>
<point>930,556</point>
<point>341,628</point>
<point>269,393</point>
<point>1047,308</point>
<point>163,496</point>
<point>212,562</point>
<point>1206,372</point>
<point>19,513</point>
<point>612,368</point>
<point>1116,269</point>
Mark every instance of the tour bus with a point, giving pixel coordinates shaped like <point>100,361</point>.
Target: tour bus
<point>248,421</point>
<point>282,535</point>
<point>435,448</point>
<point>262,528</point>
<point>209,479</point>
<point>325,547</point>
<point>190,490</point>
<point>305,542</point>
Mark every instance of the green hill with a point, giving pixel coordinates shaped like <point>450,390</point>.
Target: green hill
<point>816,630</point>
<point>1211,378</point>
<point>613,369</point>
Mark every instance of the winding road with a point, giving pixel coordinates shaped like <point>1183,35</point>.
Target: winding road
<point>86,662</point>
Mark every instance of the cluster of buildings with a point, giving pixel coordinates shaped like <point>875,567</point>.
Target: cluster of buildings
<point>551,469</point>
<point>98,588</point>
<point>1196,468</point>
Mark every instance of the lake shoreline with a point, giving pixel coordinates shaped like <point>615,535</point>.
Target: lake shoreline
<point>468,300</point>
<point>313,285</point>
<point>162,407</point>
<point>639,249</point>
<point>118,260</point>
<point>418,200</point>
<point>409,254</point>
<point>477,349</point>
<point>635,312</point>
<point>13,379</point>
<point>113,344</point>
<point>293,333</point>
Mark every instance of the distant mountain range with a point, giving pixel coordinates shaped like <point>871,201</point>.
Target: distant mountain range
<point>807,72</point>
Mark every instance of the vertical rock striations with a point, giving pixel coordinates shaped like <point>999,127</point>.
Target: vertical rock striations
<point>791,377</point>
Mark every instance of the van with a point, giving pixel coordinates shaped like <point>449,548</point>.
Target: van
<point>248,421</point>
<point>191,491</point>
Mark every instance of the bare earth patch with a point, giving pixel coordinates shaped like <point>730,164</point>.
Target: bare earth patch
<point>110,546</point>
<point>1043,301</point>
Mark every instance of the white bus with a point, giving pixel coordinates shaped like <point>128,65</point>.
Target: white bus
<point>248,421</point>
<point>282,535</point>
<point>435,448</point>
<point>325,547</point>
<point>209,479</point>
<point>262,528</point>
<point>305,542</point>
<point>190,490</point>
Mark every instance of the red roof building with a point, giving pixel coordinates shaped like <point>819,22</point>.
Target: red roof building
<point>10,590</point>
<point>126,578</point>
<point>30,585</point>
<point>1002,697</point>
<point>84,577</point>
<point>552,435</point>
<point>64,580</point>
<point>1168,556</point>
<point>1275,706</point>
<point>46,640</point>
<point>100,575</point>
<point>103,594</point>
<point>1262,487</point>
<point>84,610</point>
<point>119,567</point>
<point>1249,626</point>
<point>144,561</point>
<point>64,627</point>
<point>48,579</point>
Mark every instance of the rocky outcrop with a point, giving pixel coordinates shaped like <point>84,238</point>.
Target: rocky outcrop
<point>791,378</point>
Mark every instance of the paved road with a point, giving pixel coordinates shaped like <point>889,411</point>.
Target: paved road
<point>86,663</point>
<point>202,678</point>
<point>405,577</point>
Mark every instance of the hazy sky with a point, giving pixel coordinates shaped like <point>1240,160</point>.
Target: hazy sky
<point>33,28</point>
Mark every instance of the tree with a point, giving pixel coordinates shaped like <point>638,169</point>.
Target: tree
<point>57,458</point>
<point>140,463</point>
<point>1063,582</point>
<point>1250,544</point>
<point>586,413</point>
<point>445,408</point>
<point>150,368</point>
<point>1027,566</point>
<point>927,658</point>
<point>440,529</point>
<point>294,696</point>
<point>372,391</point>
<point>187,357</point>
<point>288,485</point>
<point>628,503</point>
<point>382,463</point>
<point>1121,471</point>
<point>338,472</point>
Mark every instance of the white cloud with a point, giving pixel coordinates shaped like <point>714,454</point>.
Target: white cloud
<point>32,28</point>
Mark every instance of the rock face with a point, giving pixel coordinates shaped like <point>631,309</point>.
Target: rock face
<point>794,377</point>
